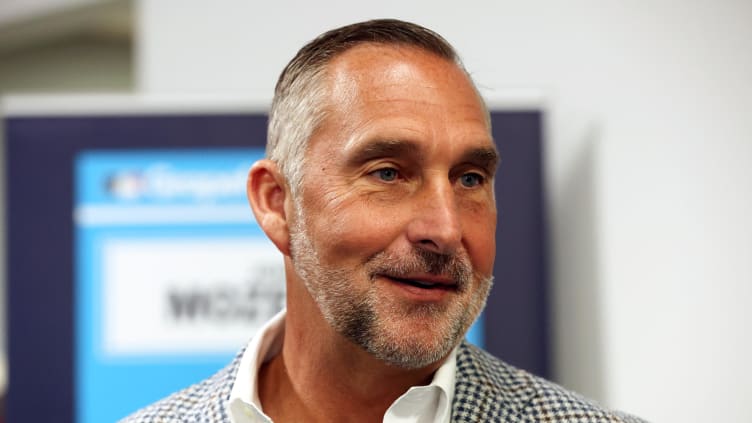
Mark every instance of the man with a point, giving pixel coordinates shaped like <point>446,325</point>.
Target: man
<point>378,191</point>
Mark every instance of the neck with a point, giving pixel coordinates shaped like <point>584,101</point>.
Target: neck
<point>322,376</point>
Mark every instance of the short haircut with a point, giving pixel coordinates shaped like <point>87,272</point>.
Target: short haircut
<point>299,104</point>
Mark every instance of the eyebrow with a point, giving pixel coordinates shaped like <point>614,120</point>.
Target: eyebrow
<point>383,148</point>
<point>486,158</point>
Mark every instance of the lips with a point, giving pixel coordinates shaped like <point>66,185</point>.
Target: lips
<point>424,281</point>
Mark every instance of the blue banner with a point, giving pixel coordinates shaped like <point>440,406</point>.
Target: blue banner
<point>173,275</point>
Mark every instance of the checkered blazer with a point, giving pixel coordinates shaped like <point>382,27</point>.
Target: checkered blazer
<point>486,390</point>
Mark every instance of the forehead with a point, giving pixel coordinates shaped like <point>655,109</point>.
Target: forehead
<point>374,71</point>
<point>400,89</point>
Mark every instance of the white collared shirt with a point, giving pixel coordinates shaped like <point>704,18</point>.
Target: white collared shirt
<point>420,404</point>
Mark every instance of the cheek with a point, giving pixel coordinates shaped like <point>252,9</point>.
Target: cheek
<point>343,224</point>
<point>480,242</point>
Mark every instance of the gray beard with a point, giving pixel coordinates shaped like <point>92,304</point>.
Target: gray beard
<point>385,335</point>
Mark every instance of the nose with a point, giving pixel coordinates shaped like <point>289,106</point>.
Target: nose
<point>435,225</point>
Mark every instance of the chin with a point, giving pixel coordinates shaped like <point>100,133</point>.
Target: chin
<point>414,343</point>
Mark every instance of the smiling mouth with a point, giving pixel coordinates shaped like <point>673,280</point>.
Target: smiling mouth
<point>423,284</point>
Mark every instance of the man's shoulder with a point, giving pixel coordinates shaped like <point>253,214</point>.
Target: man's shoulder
<point>489,390</point>
<point>204,401</point>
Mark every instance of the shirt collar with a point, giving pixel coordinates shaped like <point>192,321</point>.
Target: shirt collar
<point>430,403</point>
<point>245,405</point>
<point>420,404</point>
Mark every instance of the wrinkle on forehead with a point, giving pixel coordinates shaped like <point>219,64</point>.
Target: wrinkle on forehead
<point>392,82</point>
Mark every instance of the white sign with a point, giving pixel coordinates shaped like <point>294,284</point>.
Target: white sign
<point>187,296</point>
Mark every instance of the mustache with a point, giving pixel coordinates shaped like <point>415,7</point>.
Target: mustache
<point>455,266</point>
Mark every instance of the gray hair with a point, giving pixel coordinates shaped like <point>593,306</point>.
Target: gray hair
<point>299,104</point>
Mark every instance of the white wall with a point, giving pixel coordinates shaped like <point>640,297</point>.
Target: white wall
<point>649,165</point>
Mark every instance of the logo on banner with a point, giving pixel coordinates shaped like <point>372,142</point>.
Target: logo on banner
<point>163,182</point>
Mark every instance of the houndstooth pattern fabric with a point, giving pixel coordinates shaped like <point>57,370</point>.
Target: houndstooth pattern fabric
<point>486,390</point>
<point>489,390</point>
<point>204,402</point>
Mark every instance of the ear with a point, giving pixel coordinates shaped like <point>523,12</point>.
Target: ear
<point>270,200</point>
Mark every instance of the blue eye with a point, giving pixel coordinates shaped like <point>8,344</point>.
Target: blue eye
<point>387,174</point>
<point>470,180</point>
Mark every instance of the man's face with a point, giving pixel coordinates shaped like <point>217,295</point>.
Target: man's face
<point>394,233</point>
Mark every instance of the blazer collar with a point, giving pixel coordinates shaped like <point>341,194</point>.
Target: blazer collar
<point>487,389</point>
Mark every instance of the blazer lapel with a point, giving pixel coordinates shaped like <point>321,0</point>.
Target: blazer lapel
<point>486,390</point>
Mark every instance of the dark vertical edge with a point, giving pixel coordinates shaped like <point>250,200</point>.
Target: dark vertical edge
<point>516,328</point>
<point>39,279</point>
